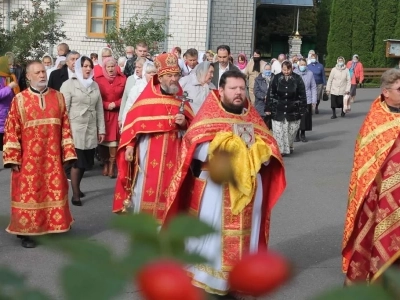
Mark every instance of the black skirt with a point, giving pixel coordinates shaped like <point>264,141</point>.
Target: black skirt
<point>336,101</point>
<point>85,158</point>
<point>306,119</point>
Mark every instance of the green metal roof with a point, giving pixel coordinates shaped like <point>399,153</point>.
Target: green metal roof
<point>287,2</point>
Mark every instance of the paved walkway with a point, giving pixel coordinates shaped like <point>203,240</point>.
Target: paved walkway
<point>306,226</point>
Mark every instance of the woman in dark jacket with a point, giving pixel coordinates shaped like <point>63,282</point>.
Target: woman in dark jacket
<point>261,86</point>
<point>287,102</point>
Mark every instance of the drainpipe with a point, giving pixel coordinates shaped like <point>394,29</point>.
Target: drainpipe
<point>166,29</point>
<point>9,11</point>
<point>208,29</point>
<point>253,35</point>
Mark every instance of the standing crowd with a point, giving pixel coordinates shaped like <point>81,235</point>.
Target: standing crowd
<point>165,126</point>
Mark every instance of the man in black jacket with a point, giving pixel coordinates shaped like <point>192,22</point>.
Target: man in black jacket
<point>58,77</point>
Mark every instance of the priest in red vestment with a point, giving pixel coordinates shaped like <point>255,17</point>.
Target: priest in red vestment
<point>371,240</point>
<point>37,142</point>
<point>228,134</point>
<point>150,143</point>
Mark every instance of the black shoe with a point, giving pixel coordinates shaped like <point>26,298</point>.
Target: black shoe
<point>76,202</point>
<point>342,114</point>
<point>333,117</point>
<point>81,195</point>
<point>297,139</point>
<point>291,151</point>
<point>304,139</point>
<point>316,111</point>
<point>27,242</point>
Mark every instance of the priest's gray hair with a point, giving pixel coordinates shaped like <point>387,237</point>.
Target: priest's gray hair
<point>389,78</point>
<point>202,69</point>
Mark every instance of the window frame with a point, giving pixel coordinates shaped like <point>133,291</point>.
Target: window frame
<point>104,18</point>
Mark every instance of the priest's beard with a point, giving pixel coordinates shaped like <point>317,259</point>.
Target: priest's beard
<point>40,86</point>
<point>232,108</point>
<point>171,89</point>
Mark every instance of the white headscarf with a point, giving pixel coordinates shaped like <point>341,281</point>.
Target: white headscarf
<point>79,74</point>
<point>59,60</point>
<point>100,54</point>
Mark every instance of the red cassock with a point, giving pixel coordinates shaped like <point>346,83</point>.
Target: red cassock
<point>152,114</point>
<point>111,92</point>
<point>186,191</point>
<point>38,138</point>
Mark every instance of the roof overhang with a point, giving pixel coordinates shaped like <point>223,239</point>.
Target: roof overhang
<point>299,3</point>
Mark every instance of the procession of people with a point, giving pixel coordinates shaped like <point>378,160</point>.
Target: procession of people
<point>165,127</point>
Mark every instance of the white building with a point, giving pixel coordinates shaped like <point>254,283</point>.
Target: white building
<point>200,24</point>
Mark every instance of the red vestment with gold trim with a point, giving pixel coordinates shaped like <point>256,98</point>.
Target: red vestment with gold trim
<point>37,137</point>
<point>152,114</point>
<point>371,241</point>
<point>188,191</point>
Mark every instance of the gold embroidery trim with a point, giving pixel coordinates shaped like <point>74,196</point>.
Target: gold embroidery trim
<point>390,182</point>
<point>206,288</point>
<point>146,119</point>
<point>67,142</point>
<point>386,223</point>
<point>369,163</point>
<point>378,131</point>
<point>12,145</point>
<point>48,121</point>
<point>48,204</point>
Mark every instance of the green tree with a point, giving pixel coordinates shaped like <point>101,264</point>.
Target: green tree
<point>363,26</point>
<point>340,31</point>
<point>323,24</point>
<point>35,30</point>
<point>139,28</point>
<point>397,28</point>
<point>386,16</point>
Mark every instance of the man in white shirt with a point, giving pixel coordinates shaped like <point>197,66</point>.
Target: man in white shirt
<point>223,65</point>
<point>277,65</point>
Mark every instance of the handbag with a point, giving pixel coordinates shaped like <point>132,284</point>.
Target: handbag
<point>325,96</point>
<point>346,103</point>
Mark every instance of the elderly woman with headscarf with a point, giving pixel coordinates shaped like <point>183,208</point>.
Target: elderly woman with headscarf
<point>198,84</point>
<point>104,53</point>
<point>339,84</point>
<point>261,86</point>
<point>286,103</point>
<point>86,115</point>
<point>149,70</point>
<point>60,61</point>
<point>8,89</point>
<point>111,83</point>
<point>311,92</point>
<point>356,70</point>
<point>18,70</point>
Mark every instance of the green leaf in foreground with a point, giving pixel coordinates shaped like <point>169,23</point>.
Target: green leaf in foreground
<point>185,226</point>
<point>82,281</point>
<point>357,292</point>
<point>141,226</point>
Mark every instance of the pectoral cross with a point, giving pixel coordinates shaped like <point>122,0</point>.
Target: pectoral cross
<point>184,98</point>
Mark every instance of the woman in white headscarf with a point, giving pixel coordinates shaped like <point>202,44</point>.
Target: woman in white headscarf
<point>85,110</point>
<point>104,52</point>
<point>60,61</point>
<point>148,71</point>
<point>198,84</point>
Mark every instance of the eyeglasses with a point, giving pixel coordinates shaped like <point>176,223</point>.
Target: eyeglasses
<point>397,89</point>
